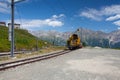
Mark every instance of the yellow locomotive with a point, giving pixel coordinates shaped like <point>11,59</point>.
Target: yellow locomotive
<point>74,42</point>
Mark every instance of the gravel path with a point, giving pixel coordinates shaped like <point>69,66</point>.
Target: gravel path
<point>82,64</point>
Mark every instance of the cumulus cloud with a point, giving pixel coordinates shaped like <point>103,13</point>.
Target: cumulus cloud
<point>98,14</point>
<point>32,23</point>
<point>41,23</point>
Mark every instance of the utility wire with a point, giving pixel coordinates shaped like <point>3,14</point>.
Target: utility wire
<point>19,14</point>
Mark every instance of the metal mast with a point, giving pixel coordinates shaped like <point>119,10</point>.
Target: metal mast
<point>12,24</point>
<point>12,28</point>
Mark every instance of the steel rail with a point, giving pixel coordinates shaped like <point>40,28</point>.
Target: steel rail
<point>13,64</point>
<point>18,52</point>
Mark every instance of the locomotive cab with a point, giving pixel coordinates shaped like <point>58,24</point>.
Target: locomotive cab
<point>73,42</point>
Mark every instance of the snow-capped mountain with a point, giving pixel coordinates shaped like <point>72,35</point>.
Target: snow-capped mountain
<point>91,38</point>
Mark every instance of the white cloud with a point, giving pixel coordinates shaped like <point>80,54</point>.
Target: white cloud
<point>111,10</point>
<point>40,23</point>
<point>117,23</point>
<point>118,28</point>
<point>111,18</point>
<point>61,15</point>
<point>15,1</point>
<point>58,16</point>
<point>99,14</point>
<point>53,23</point>
<point>27,23</point>
<point>90,15</point>
<point>4,8</point>
<point>2,4</point>
<point>5,5</point>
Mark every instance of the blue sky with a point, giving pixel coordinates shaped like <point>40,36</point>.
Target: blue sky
<point>64,15</point>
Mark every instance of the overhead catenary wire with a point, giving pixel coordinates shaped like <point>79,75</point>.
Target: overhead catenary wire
<point>19,15</point>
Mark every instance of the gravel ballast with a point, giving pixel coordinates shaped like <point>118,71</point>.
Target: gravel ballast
<point>81,64</point>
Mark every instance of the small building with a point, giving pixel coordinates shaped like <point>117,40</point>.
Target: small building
<point>16,26</point>
<point>2,24</point>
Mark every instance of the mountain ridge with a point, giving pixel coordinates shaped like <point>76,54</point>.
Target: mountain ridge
<point>90,37</point>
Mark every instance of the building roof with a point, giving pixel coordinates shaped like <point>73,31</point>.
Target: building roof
<point>2,23</point>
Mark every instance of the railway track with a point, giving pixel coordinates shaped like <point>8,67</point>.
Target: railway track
<point>8,53</point>
<point>13,64</point>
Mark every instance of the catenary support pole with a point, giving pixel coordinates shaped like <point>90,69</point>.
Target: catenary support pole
<point>12,28</point>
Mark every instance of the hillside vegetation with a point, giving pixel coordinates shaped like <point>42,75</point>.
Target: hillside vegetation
<point>23,40</point>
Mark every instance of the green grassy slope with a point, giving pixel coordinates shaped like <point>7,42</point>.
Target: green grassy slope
<point>23,40</point>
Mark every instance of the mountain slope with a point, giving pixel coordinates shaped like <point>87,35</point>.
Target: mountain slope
<point>89,37</point>
<point>23,40</point>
